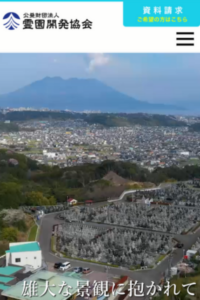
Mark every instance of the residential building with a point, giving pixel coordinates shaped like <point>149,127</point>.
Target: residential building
<point>24,254</point>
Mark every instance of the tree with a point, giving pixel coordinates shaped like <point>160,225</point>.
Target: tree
<point>4,245</point>
<point>52,200</point>
<point>37,198</point>
<point>10,195</point>
<point>9,234</point>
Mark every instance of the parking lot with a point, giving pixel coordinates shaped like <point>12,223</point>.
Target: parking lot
<point>51,268</point>
<point>91,277</point>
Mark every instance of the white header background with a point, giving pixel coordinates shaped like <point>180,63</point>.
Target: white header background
<point>107,34</point>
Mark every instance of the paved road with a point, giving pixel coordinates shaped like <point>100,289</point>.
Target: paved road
<point>145,276</point>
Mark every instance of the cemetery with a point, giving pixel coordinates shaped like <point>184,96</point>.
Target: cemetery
<point>115,246</point>
<point>184,194</point>
<point>171,219</point>
<point>134,232</point>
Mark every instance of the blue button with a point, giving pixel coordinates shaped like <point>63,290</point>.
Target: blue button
<point>168,13</point>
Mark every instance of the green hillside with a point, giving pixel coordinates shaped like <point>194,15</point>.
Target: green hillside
<point>104,119</point>
<point>24,182</point>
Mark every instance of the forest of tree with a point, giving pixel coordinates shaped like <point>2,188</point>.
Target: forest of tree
<point>104,119</point>
<point>29,183</point>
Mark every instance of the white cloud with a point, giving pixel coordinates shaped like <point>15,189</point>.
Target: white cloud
<point>97,60</point>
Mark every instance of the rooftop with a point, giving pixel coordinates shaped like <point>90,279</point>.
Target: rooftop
<point>7,271</point>
<point>55,282</point>
<point>21,247</point>
<point>72,274</point>
<point>5,279</point>
<point>3,287</point>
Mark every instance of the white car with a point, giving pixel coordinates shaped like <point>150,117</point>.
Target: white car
<point>65,266</point>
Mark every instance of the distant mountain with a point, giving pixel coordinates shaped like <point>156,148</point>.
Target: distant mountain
<point>78,95</point>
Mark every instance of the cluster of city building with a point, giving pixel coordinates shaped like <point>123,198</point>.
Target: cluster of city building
<point>10,109</point>
<point>74,142</point>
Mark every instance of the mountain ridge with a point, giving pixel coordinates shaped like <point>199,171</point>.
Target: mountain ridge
<point>78,95</point>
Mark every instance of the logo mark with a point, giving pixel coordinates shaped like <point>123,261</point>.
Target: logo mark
<point>11,19</point>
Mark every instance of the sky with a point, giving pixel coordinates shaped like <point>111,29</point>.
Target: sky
<point>156,78</point>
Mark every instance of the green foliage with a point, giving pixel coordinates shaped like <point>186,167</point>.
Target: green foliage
<point>138,267</point>
<point>10,127</point>
<point>91,261</point>
<point>134,186</point>
<point>1,222</point>
<point>10,195</point>
<point>122,119</point>
<point>20,225</point>
<point>53,244</point>
<point>160,258</point>
<point>33,233</point>
<point>104,119</point>
<point>30,184</point>
<point>9,234</point>
<point>37,198</point>
<point>4,245</point>
<point>178,174</point>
